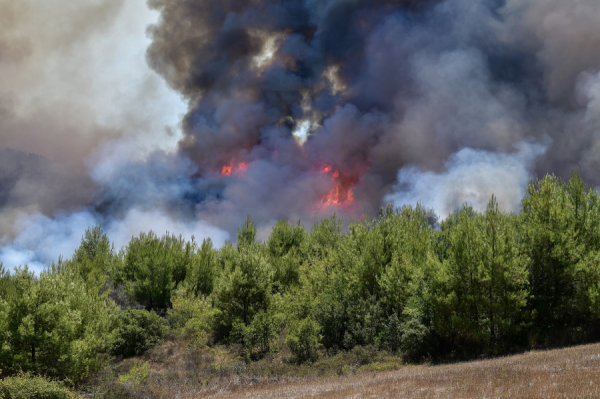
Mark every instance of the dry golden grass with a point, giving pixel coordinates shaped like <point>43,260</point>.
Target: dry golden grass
<point>564,373</point>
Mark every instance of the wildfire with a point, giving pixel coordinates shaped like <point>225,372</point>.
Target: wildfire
<point>343,193</point>
<point>233,169</point>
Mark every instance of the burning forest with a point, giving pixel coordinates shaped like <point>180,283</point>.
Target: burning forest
<point>199,195</point>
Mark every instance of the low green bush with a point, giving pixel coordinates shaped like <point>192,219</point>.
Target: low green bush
<point>136,331</point>
<point>303,339</point>
<point>26,386</point>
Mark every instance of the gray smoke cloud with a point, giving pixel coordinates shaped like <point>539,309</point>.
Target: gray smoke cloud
<point>76,95</point>
<point>470,177</point>
<point>378,86</point>
<point>297,109</point>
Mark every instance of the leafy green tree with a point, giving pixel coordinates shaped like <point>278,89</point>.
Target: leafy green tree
<point>483,283</point>
<point>303,339</point>
<point>285,247</point>
<point>247,234</point>
<point>204,269</point>
<point>191,316</point>
<point>549,235</point>
<point>393,334</point>
<point>324,238</point>
<point>406,250</point>
<point>5,283</point>
<point>346,318</point>
<point>561,236</point>
<point>260,333</point>
<point>53,324</point>
<point>153,267</point>
<point>95,258</point>
<point>244,289</point>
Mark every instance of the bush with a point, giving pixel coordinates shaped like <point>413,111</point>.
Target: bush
<point>27,387</point>
<point>414,339</point>
<point>136,332</point>
<point>260,333</point>
<point>393,334</point>
<point>192,317</point>
<point>303,339</point>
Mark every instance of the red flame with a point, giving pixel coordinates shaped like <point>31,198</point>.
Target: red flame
<point>342,195</point>
<point>233,169</point>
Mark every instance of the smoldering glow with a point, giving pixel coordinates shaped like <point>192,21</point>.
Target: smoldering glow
<point>234,169</point>
<point>341,195</point>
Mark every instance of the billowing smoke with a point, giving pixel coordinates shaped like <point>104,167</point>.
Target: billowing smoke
<point>42,240</point>
<point>295,109</point>
<point>470,177</point>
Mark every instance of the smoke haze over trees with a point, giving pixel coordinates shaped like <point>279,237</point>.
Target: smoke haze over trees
<point>399,285</point>
<point>283,110</point>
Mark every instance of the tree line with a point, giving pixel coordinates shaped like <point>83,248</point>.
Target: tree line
<point>478,283</point>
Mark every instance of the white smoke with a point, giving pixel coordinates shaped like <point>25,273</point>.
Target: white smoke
<point>42,240</point>
<point>470,177</point>
<point>81,91</point>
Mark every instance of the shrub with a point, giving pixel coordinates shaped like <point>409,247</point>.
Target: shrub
<point>191,316</point>
<point>136,332</point>
<point>393,334</point>
<point>414,339</point>
<point>26,386</point>
<point>260,332</point>
<point>303,339</point>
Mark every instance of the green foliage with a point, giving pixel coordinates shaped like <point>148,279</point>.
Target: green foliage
<point>247,234</point>
<point>481,290</point>
<point>303,339</point>
<point>285,246</point>
<point>135,332</point>
<point>95,258</point>
<point>53,324</point>
<point>154,267</point>
<point>393,334</point>
<point>561,237</point>
<point>478,283</point>
<point>26,386</point>
<point>414,340</point>
<point>324,238</point>
<point>259,334</point>
<point>244,289</point>
<point>347,320</point>
<point>203,269</point>
<point>191,316</point>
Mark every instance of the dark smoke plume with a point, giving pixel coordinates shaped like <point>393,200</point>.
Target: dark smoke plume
<point>301,108</point>
<point>377,86</point>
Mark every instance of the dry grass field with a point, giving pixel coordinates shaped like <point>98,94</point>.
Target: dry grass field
<point>562,373</point>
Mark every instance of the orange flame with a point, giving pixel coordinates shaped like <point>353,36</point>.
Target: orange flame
<point>233,169</point>
<point>343,193</point>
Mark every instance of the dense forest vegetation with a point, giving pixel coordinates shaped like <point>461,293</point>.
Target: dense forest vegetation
<point>475,284</point>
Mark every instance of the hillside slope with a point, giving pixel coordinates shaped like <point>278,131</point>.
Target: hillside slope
<point>562,373</point>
